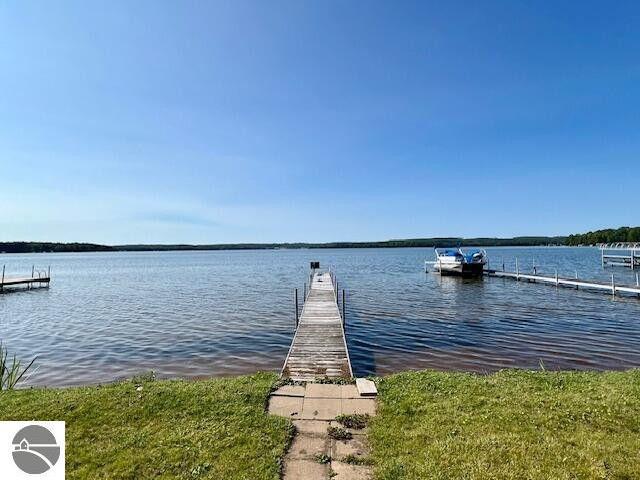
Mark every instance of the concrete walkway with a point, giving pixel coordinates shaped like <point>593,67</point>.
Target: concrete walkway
<point>313,409</point>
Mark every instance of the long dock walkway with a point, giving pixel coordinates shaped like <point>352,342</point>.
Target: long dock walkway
<point>613,288</point>
<point>319,346</point>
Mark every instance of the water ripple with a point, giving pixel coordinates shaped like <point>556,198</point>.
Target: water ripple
<point>198,314</point>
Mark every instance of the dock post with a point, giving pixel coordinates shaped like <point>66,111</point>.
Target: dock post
<point>503,264</point>
<point>304,293</point>
<point>343,308</point>
<point>576,279</point>
<point>613,285</point>
<point>2,282</point>
<point>557,277</point>
<point>637,278</point>
<point>602,254</point>
<point>296,302</point>
<point>517,270</point>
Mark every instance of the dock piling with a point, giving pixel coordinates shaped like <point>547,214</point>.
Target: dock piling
<point>613,285</point>
<point>517,270</point>
<point>295,295</point>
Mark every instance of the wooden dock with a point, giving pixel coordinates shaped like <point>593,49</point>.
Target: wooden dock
<point>319,346</point>
<point>37,279</point>
<point>612,287</point>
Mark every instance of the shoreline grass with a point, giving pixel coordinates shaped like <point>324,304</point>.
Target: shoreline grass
<point>513,424</point>
<point>508,425</point>
<point>139,429</point>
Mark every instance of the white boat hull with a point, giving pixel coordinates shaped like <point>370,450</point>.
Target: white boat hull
<point>464,269</point>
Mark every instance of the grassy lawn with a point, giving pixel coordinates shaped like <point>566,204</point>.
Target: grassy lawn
<point>430,425</point>
<point>510,425</point>
<point>215,429</point>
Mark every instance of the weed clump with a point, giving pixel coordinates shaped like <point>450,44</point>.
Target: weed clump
<point>339,433</point>
<point>357,421</point>
<point>322,458</point>
<point>352,459</point>
<point>334,380</point>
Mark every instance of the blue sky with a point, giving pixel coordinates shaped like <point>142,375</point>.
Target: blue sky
<point>208,122</point>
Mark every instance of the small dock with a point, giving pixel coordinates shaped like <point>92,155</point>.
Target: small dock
<point>624,254</point>
<point>319,346</point>
<point>38,279</point>
<point>612,287</point>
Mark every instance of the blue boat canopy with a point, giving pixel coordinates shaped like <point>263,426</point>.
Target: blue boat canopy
<point>468,255</point>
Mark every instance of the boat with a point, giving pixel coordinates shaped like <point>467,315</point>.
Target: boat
<point>455,261</point>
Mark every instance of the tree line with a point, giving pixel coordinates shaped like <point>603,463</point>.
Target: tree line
<point>38,247</point>
<point>608,235</point>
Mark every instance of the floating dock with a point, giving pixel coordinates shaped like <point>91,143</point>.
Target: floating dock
<point>319,346</point>
<point>623,254</point>
<point>37,279</point>
<point>612,287</point>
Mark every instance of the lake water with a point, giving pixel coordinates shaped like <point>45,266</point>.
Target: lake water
<point>198,314</point>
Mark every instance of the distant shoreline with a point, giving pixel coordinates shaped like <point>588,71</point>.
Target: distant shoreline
<point>54,247</point>
<point>622,234</point>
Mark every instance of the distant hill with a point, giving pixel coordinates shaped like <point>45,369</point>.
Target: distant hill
<point>37,247</point>
<point>609,235</point>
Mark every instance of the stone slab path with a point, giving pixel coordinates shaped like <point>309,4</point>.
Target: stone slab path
<point>313,409</point>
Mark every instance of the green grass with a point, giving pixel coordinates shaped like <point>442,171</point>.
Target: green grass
<point>509,425</point>
<point>214,429</point>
